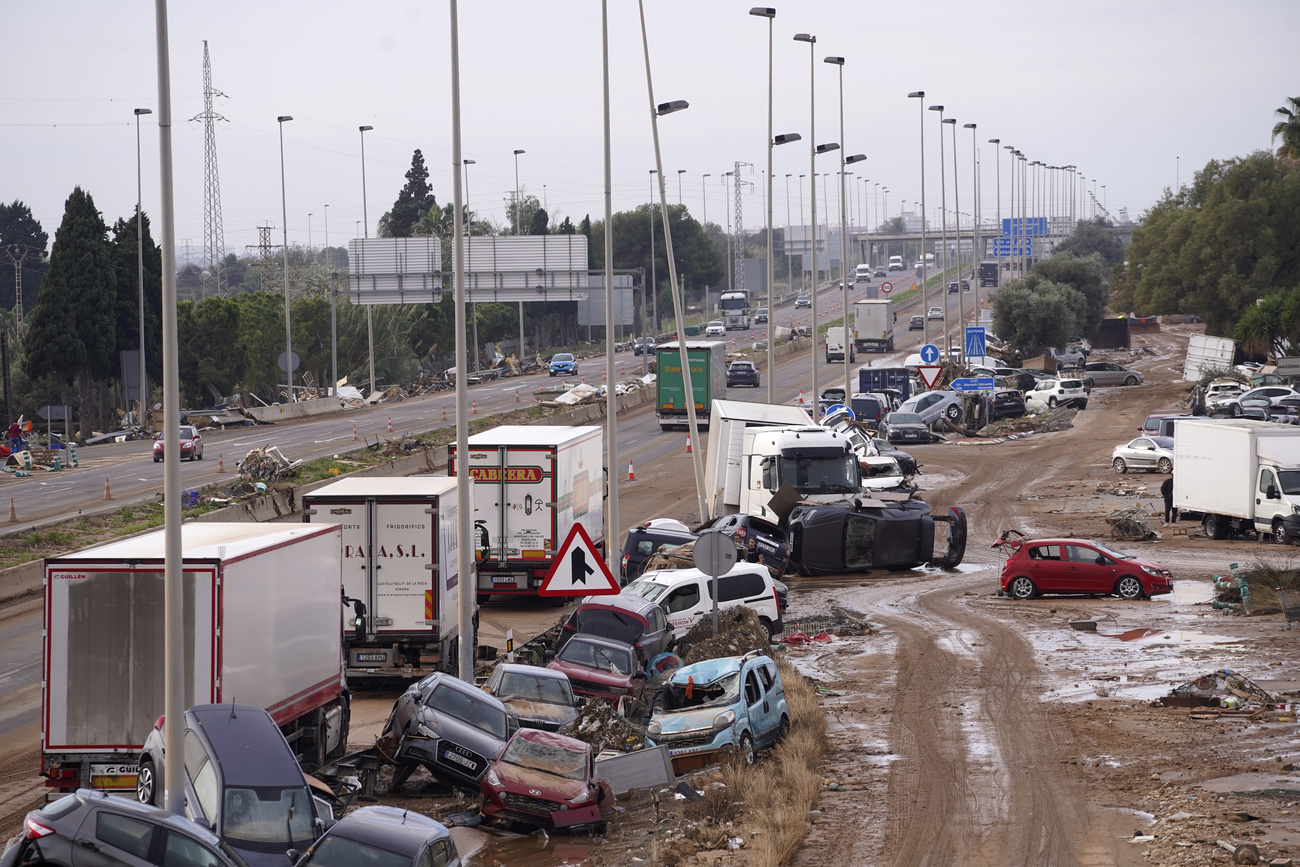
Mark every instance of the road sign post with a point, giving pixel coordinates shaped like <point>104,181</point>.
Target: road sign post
<point>579,570</point>
<point>714,555</point>
<point>886,287</point>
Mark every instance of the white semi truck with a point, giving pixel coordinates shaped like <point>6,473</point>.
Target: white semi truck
<point>531,485</point>
<point>729,420</point>
<point>1240,475</point>
<point>873,325</point>
<point>261,627</point>
<point>401,572</point>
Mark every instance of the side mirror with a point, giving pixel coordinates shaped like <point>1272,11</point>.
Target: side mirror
<point>294,855</point>
<point>1271,493</point>
<point>548,655</point>
<point>639,675</point>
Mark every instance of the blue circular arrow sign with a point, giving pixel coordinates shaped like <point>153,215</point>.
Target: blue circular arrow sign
<point>929,353</point>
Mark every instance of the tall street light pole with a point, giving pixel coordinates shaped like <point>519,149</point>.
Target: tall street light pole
<point>657,111</point>
<point>519,207</point>
<point>654,279</point>
<point>847,331</point>
<point>284,216</point>
<point>334,321</point>
<point>975,235</point>
<point>812,171</point>
<point>309,216</point>
<point>139,264</point>
<point>469,229</point>
<point>803,263</point>
<point>612,525</point>
<point>943,258</point>
<point>956,209</point>
<point>680,172</point>
<point>365,219</point>
<point>770,14</point>
<point>704,198</point>
<point>997,183</point>
<point>925,329</point>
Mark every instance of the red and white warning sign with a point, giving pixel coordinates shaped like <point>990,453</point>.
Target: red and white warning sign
<point>886,287</point>
<point>929,373</point>
<point>579,569</point>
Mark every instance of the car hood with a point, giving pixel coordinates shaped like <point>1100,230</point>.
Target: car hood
<point>552,786</point>
<point>543,712</point>
<point>695,719</point>
<point>1149,564</point>
<point>457,731</point>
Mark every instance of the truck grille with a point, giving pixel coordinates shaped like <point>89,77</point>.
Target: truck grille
<point>530,805</point>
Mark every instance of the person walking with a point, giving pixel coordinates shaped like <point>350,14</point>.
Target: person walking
<point>15,438</point>
<point>1167,491</point>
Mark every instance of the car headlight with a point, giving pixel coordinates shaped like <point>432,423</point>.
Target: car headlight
<point>583,798</point>
<point>653,730</point>
<point>429,731</point>
<point>1150,571</point>
<point>724,719</point>
<point>492,778</point>
<point>1295,510</point>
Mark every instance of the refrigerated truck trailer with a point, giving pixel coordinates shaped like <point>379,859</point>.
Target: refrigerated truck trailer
<point>401,572</point>
<point>531,485</point>
<point>708,361</point>
<point>261,627</point>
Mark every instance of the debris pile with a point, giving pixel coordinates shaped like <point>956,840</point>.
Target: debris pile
<point>839,623</point>
<point>266,464</point>
<point>600,724</point>
<point>739,631</point>
<point>681,557</point>
<point>1131,525</point>
<point>1189,828</point>
<point>1223,688</point>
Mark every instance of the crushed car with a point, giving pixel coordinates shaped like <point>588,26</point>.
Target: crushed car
<point>624,617</point>
<point>540,698</point>
<point>548,780</point>
<point>601,668</point>
<point>864,534</point>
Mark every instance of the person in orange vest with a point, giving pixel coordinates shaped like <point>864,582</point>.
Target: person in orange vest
<point>15,438</point>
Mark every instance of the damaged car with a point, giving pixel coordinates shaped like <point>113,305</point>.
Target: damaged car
<point>626,617</point>
<point>452,728</point>
<point>539,698</point>
<point>548,780</point>
<point>860,535</point>
<point>709,709</point>
<point>601,668</point>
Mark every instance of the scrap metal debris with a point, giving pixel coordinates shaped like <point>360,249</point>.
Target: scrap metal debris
<point>1225,688</point>
<point>267,464</point>
<point>1131,525</point>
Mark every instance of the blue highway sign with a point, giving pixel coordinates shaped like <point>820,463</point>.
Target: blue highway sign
<point>983,383</point>
<point>975,344</point>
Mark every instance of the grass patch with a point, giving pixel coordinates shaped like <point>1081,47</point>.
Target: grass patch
<point>1264,579</point>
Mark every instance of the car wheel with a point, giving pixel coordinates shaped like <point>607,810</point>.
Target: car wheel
<point>1051,403</point>
<point>552,374</point>
<point>1128,587</point>
<point>200,455</point>
<point>1023,588</point>
<point>1280,535</point>
<point>146,783</point>
<point>1236,410</point>
<point>747,749</point>
<point>1165,465</point>
<point>1131,380</point>
<point>953,412</point>
<point>1088,382</point>
<point>1119,465</point>
<point>768,628</point>
<point>156,460</point>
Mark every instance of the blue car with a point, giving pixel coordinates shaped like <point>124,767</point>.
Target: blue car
<point>708,709</point>
<point>564,364</point>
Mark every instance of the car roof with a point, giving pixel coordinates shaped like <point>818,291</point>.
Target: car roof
<point>91,797</point>
<point>667,576</point>
<point>531,671</point>
<point>711,669</point>
<point>250,748</point>
<point>392,829</point>
<point>623,602</point>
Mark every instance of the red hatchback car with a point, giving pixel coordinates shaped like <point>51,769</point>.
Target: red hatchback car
<point>547,779</point>
<point>1077,566</point>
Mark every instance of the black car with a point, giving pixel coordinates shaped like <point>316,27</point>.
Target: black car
<point>742,373</point>
<point>906,462</point>
<point>242,777</point>
<point>94,828</point>
<point>643,541</point>
<point>384,837</point>
<point>762,541</point>
<point>1008,404</point>
<point>904,427</point>
<point>834,538</point>
<point>760,315</point>
<point>452,728</point>
<point>643,345</point>
<point>916,323</point>
<point>952,288</point>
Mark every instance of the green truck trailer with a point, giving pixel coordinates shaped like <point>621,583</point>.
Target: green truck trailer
<point>708,360</point>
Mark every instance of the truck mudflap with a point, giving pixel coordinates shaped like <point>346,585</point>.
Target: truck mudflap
<point>956,521</point>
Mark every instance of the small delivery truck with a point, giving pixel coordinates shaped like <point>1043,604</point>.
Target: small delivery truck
<point>708,364</point>
<point>531,485</point>
<point>873,325</point>
<point>1242,476</point>
<point>401,572</point>
<point>261,627</point>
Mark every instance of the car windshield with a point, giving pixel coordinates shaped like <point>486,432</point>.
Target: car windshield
<point>551,690</point>
<point>468,709</point>
<point>830,475</point>
<point>1114,553</point>
<point>563,356</point>
<point>722,692</point>
<point>547,758</point>
<point>261,815</point>
<point>615,660</point>
<point>336,851</point>
<point>646,589</point>
<point>1289,480</point>
<point>903,418</point>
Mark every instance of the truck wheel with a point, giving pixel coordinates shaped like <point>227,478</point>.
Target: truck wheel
<point>146,783</point>
<point>1280,535</point>
<point>1165,465</point>
<point>1214,527</point>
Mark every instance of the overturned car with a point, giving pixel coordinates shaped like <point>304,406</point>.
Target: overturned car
<point>861,534</point>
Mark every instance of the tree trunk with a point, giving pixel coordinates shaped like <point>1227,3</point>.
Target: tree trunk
<point>85,411</point>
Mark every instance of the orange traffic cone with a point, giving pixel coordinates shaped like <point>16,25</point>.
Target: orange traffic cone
<point>355,438</point>
<point>221,463</point>
<point>108,495</point>
<point>517,400</point>
<point>631,474</point>
<point>390,424</point>
<point>444,412</point>
<point>13,512</point>
<point>688,444</point>
<point>473,407</point>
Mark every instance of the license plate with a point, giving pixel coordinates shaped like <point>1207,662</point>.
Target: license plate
<point>372,657</point>
<point>460,760</point>
<point>503,579</point>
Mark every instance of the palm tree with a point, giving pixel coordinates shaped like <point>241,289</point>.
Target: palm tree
<point>1288,130</point>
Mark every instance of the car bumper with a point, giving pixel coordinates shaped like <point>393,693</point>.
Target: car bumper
<point>572,371</point>
<point>433,754</point>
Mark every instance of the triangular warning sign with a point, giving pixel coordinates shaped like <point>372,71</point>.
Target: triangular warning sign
<point>579,569</point>
<point>930,373</point>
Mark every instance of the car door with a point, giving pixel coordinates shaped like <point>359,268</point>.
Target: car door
<point>683,605</point>
<point>1046,568</point>
<point>1140,453</point>
<point>1087,569</point>
<point>108,838</point>
<point>1267,508</point>
<point>658,637</point>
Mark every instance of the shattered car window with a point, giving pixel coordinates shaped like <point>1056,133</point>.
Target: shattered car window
<point>722,692</point>
<point>598,657</point>
<point>452,701</point>
<point>546,758</point>
<point>859,542</point>
<point>646,589</point>
<point>551,690</point>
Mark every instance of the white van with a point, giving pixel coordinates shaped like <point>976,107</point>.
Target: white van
<point>862,274</point>
<point>684,594</point>
<point>895,263</point>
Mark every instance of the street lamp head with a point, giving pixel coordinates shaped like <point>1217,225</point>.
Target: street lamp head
<point>519,151</point>
<point>364,128</point>
<point>856,158</point>
<point>786,138</point>
<point>828,147</point>
<point>936,108</point>
<point>282,118</point>
<point>995,141</point>
<point>837,61</point>
<point>654,171</point>
<point>670,107</point>
<point>140,111</point>
<point>805,37</point>
<point>681,171</point>
<point>706,175</point>
<point>951,120</point>
<point>968,126</point>
<point>789,175</point>
<point>916,94</point>
<point>763,11</point>
<point>803,176</point>
<point>469,162</point>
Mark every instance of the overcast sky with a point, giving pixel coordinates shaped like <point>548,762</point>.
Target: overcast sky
<point>1120,89</point>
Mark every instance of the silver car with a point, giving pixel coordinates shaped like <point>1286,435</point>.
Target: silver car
<point>1153,454</point>
<point>1109,373</point>
<point>933,405</point>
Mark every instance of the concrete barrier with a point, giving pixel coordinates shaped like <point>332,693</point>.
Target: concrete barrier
<point>293,411</point>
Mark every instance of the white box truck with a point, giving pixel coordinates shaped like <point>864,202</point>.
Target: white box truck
<point>1241,475</point>
<point>728,422</point>
<point>873,325</point>
<point>531,485</point>
<point>261,627</point>
<point>835,347</point>
<point>401,572</point>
